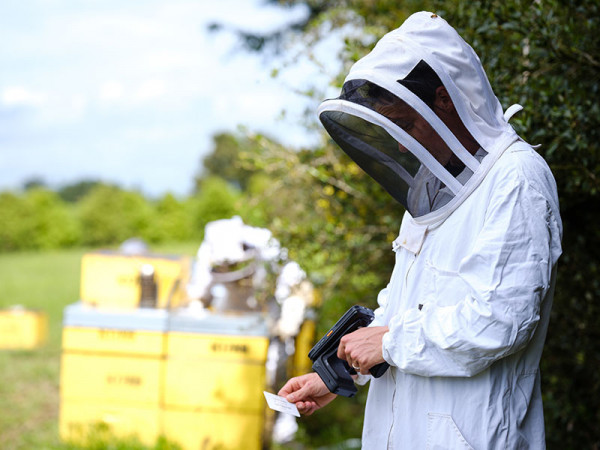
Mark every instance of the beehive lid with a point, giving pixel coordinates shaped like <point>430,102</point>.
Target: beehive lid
<point>83,315</point>
<point>246,324</point>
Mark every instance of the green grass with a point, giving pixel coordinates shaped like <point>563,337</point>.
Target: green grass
<point>29,380</point>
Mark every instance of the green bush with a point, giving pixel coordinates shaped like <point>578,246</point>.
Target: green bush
<point>15,220</point>
<point>110,215</point>
<point>54,223</point>
<point>215,199</point>
<point>37,219</point>
<point>172,221</point>
<point>107,215</point>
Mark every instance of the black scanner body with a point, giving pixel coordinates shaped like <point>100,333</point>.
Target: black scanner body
<point>336,373</point>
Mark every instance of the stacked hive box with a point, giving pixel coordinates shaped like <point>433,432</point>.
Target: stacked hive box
<point>112,371</point>
<point>215,375</point>
<point>197,379</point>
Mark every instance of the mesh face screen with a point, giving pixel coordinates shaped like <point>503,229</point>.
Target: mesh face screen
<point>375,151</point>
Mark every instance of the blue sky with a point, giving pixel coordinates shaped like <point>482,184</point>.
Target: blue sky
<point>131,92</point>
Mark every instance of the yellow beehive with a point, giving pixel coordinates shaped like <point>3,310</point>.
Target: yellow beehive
<point>22,328</point>
<point>214,381</point>
<point>112,279</point>
<point>112,376</point>
<point>215,371</point>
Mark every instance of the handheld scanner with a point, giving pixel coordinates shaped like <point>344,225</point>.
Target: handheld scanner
<point>336,373</point>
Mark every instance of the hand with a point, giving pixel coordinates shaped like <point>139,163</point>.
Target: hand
<point>362,348</point>
<point>308,392</point>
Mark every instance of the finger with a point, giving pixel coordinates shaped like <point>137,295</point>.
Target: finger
<point>310,408</point>
<point>306,408</point>
<point>341,353</point>
<point>354,361</point>
<point>364,365</point>
<point>283,392</point>
<point>302,407</point>
<point>310,411</point>
<point>288,388</point>
<point>301,394</point>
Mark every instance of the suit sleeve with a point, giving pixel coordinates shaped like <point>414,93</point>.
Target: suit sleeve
<point>491,304</point>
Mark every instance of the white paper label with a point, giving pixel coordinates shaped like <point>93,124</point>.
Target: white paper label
<point>280,404</point>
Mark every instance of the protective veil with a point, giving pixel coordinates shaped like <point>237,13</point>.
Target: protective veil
<point>468,302</point>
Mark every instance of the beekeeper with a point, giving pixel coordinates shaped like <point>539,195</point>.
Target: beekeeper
<point>463,320</point>
<point>237,249</point>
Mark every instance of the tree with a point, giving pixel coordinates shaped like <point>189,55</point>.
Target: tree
<point>36,219</point>
<point>110,215</point>
<point>224,160</point>
<point>215,199</point>
<point>53,223</point>
<point>34,183</point>
<point>14,215</point>
<point>72,193</point>
<point>172,220</point>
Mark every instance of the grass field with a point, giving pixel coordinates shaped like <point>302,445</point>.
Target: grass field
<point>29,386</point>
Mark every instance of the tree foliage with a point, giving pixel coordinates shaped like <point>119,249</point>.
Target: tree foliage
<point>216,200</point>
<point>72,193</point>
<point>111,215</point>
<point>172,221</point>
<point>224,158</point>
<point>97,215</point>
<point>36,219</point>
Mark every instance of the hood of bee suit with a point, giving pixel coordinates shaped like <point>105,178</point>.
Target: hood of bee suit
<point>388,94</point>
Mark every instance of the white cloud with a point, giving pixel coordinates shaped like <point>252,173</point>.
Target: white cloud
<point>111,91</point>
<point>151,89</point>
<point>21,96</point>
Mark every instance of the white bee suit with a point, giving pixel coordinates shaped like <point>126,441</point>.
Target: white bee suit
<point>468,302</point>
<point>468,312</point>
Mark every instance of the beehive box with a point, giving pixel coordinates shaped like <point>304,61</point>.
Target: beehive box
<point>112,372</point>
<point>214,378</point>
<point>22,328</point>
<point>112,279</point>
